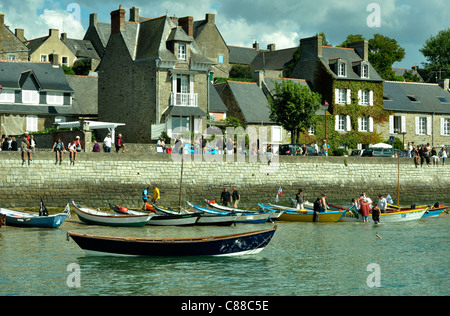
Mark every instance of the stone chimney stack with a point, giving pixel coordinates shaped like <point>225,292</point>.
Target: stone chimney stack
<point>53,32</point>
<point>445,84</point>
<point>271,47</point>
<point>20,34</point>
<point>117,21</point>
<point>256,46</point>
<point>311,48</point>
<point>63,37</point>
<point>210,18</point>
<point>258,76</point>
<point>93,19</point>
<point>187,23</point>
<point>361,48</point>
<point>2,19</point>
<point>134,14</point>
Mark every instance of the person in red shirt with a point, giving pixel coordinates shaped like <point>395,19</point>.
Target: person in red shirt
<point>120,144</point>
<point>365,210</point>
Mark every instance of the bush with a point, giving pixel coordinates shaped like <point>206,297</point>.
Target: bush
<point>340,152</point>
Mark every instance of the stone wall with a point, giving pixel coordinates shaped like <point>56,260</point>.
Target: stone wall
<point>99,178</point>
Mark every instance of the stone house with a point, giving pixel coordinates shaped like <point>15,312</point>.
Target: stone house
<point>248,102</point>
<point>419,113</point>
<point>351,86</point>
<point>212,45</point>
<point>153,78</point>
<point>272,61</point>
<point>11,44</point>
<point>42,48</point>
<point>34,96</point>
<point>83,50</point>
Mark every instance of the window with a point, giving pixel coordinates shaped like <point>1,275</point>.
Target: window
<point>423,125</point>
<point>276,134</point>
<point>342,96</point>
<point>312,131</point>
<point>65,61</point>
<point>12,57</point>
<point>44,57</point>
<point>220,59</point>
<point>365,71</point>
<point>445,126</point>
<point>180,123</point>
<point>55,98</point>
<point>32,123</point>
<point>182,52</point>
<point>30,97</point>
<point>364,99</point>
<point>365,124</point>
<point>341,70</point>
<point>442,99</point>
<point>7,97</point>
<point>343,123</point>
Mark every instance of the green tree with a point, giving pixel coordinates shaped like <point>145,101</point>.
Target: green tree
<point>352,38</point>
<point>241,72</point>
<point>383,53</point>
<point>436,50</point>
<point>294,107</point>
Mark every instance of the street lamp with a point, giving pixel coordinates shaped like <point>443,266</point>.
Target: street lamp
<point>325,108</point>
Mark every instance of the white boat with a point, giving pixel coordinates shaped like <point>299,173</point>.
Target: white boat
<point>96,217</point>
<point>391,217</point>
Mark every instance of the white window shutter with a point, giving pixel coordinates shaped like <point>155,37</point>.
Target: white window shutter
<point>349,96</point>
<point>429,125</point>
<point>174,83</point>
<point>359,97</point>
<point>349,124</point>
<point>403,119</point>
<point>336,124</point>
<point>417,125</point>
<point>442,126</point>
<point>359,124</point>
<point>336,96</point>
<point>391,124</point>
<point>370,97</point>
<point>371,124</point>
<point>191,84</point>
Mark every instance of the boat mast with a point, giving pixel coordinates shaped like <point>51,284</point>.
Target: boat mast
<point>181,181</point>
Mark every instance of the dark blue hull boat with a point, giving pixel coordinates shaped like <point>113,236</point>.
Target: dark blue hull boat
<point>229,245</point>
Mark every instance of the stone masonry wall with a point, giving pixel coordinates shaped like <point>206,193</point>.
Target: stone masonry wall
<point>99,178</point>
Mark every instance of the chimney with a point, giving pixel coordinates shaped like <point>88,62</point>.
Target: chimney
<point>53,32</point>
<point>93,19</point>
<point>2,19</point>
<point>187,23</point>
<point>271,47</point>
<point>361,48</point>
<point>64,37</point>
<point>210,18</point>
<point>20,34</point>
<point>256,46</point>
<point>54,59</point>
<point>117,21</point>
<point>258,76</point>
<point>445,84</point>
<point>415,68</point>
<point>134,14</point>
<point>311,48</point>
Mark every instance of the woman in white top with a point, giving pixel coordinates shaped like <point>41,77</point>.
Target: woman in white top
<point>443,155</point>
<point>73,151</point>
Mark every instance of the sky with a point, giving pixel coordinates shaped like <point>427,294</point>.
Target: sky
<point>242,22</point>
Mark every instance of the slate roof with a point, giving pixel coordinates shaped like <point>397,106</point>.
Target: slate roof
<point>401,72</point>
<point>216,104</point>
<point>242,55</point>
<point>48,77</point>
<point>273,60</point>
<point>349,56</point>
<point>416,97</point>
<point>252,102</point>
<point>81,48</point>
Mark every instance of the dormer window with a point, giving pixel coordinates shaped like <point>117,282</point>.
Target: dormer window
<point>342,70</point>
<point>364,71</point>
<point>182,51</point>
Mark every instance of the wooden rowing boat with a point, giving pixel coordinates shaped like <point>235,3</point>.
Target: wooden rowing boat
<point>390,217</point>
<point>96,217</point>
<point>304,215</point>
<point>245,217</point>
<point>22,219</point>
<point>431,211</point>
<point>228,245</point>
<point>161,219</point>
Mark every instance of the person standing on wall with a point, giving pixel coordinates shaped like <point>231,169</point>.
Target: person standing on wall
<point>107,142</point>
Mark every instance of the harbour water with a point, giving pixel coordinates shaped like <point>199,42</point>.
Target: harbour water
<point>302,259</point>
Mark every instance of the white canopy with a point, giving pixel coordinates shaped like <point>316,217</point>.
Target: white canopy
<point>381,145</point>
<point>93,125</point>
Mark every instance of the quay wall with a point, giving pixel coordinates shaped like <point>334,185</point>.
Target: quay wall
<point>99,178</point>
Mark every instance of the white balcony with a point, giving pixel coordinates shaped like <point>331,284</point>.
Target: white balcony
<point>184,99</point>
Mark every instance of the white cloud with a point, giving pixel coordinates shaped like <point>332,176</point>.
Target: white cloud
<point>63,20</point>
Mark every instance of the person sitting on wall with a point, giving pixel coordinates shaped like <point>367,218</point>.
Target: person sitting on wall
<point>58,148</point>
<point>120,144</point>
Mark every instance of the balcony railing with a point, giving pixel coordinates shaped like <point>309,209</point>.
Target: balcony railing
<point>183,99</point>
